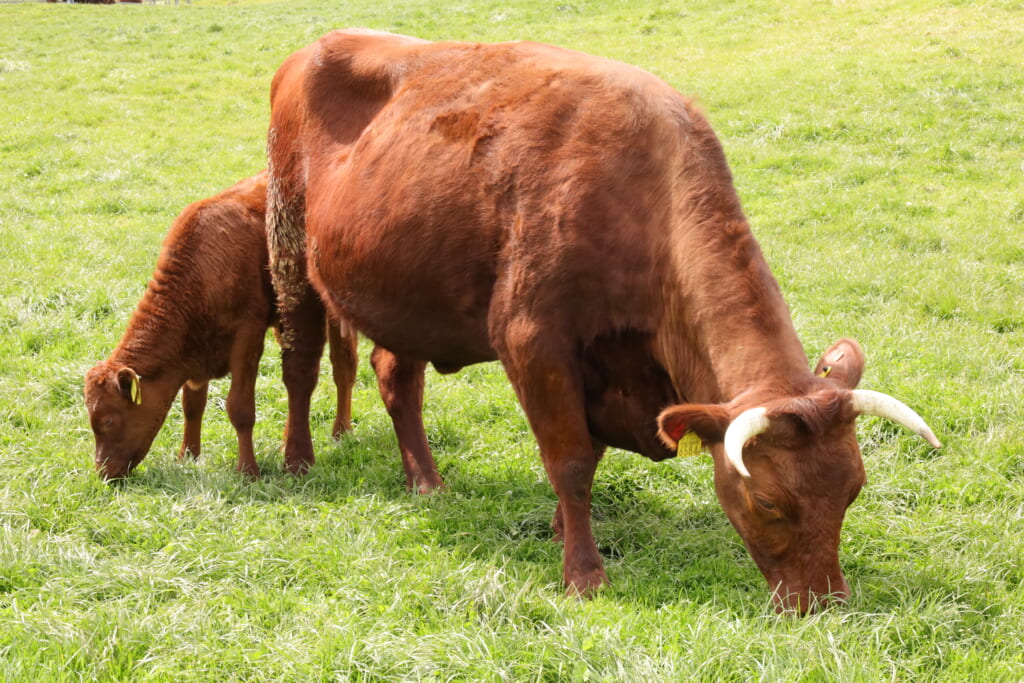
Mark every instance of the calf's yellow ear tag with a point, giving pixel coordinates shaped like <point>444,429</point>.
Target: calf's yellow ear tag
<point>689,445</point>
<point>136,391</point>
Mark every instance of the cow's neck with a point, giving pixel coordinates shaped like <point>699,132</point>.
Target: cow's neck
<point>729,332</point>
<point>154,341</point>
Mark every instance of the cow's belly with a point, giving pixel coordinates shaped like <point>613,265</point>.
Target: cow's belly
<point>420,288</point>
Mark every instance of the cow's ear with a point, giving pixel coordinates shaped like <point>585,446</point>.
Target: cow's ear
<point>842,363</point>
<point>129,386</point>
<point>709,422</point>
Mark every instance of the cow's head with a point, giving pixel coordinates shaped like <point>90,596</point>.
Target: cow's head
<point>786,469</point>
<point>125,419</point>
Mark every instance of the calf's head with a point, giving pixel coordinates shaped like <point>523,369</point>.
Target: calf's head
<point>787,468</point>
<point>125,419</point>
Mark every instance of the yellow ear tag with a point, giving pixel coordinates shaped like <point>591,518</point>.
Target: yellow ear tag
<point>825,371</point>
<point>689,445</point>
<point>136,392</point>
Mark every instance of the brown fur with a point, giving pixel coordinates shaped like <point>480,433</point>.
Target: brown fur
<point>574,218</point>
<point>205,314</point>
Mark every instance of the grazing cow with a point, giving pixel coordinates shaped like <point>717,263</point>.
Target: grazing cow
<point>204,314</point>
<point>574,218</point>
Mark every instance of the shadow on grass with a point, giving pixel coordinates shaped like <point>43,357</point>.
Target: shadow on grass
<point>497,510</point>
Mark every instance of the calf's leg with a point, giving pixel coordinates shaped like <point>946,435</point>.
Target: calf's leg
<point>193,405</point>
<point>244,366</point>
<point>342,342</point>
<point>401,387</point>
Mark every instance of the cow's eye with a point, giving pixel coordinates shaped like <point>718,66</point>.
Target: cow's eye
<point>765,503</point>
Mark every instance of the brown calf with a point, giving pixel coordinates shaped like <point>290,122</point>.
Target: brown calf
<point>204,314</point>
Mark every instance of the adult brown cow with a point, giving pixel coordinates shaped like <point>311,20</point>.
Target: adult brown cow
<point>574,218</point>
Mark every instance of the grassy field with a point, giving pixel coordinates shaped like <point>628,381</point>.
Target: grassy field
<point>878,149</point>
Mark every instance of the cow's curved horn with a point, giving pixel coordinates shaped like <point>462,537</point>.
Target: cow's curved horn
<point>747,424</point>
<point>878,404</point>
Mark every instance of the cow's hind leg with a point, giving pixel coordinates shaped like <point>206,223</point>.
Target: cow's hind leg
<point>548,382</point>
<point>302,344</point>
<point>193,405</point>
<point>401,387</point>
<point>303,332</point>
<point>302,318</point>
<point>342,342</point>
<point>244,366</point>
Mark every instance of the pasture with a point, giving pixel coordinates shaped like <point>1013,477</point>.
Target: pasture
<point>877,148</point>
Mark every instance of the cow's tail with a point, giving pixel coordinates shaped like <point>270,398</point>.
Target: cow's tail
<point>286,235</point>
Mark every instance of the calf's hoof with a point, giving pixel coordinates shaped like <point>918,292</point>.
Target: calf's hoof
<point>340,427</point>
<point>188,453</point>
<point>425,485</point>
<point>425,489</point>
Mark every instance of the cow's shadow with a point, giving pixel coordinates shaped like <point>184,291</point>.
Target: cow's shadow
<point>659,527</point>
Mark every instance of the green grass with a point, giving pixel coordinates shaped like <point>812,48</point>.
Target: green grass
<point>878,149</point>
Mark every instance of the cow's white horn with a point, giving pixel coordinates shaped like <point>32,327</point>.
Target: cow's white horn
<point>878,404</point>
<point>747,425</point>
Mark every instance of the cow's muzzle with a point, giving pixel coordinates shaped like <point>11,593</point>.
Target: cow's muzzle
<point>803,601</point>
<point>112,469</point>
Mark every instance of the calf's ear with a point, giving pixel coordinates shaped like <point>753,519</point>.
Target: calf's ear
<point>709,422</point>
<point>128,384</point>
<point>843,363</point>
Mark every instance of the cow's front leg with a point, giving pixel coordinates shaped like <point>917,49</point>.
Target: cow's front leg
<point>558,521</point>
<point>302,343</point>
<point>193,405</point>
<point>549,385</point>
<point>572,475</point>
<point>401,387</point>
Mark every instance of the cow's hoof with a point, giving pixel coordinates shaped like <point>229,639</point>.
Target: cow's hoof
<point>558,526</point>
<point>587,585</point>
<point>251,472</point>
<point>297,468</point>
